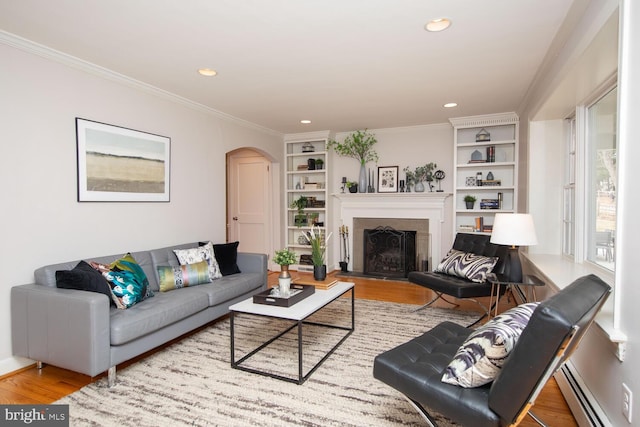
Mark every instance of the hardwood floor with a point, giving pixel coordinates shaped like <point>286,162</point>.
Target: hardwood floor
<point>49,384</point>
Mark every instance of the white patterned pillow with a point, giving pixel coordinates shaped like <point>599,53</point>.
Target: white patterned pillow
<point>199,254</point>
<point>481,356</point>
<point>467,265</point>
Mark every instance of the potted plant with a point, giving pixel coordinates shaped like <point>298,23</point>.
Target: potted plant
<point>319,164</point>
<point>352,186</point>
<point>318,252</point>
<point>419,175</point>
<point>300,203</point>
<point>284,258</point>
<point>469,201</point>
<point>358,145</point>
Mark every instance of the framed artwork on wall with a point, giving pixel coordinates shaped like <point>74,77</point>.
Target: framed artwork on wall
<point>387,179</point>
<point>117,164</point>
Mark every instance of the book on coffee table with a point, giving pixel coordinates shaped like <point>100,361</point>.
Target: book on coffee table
<point>319,284</point>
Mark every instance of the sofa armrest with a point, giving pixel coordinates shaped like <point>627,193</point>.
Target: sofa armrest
<point>252,263</point>
<point>62,327</point>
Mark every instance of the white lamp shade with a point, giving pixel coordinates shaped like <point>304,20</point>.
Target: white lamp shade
<point>514,230</point>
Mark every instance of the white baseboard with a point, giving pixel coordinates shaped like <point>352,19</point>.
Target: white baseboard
<point>11,364</point>
<point>582,403</point>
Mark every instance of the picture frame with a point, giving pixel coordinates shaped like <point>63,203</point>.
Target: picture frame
<point>387,179</point>
<point>117,164</point>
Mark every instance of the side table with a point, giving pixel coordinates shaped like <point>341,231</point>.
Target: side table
<point>528,281</point>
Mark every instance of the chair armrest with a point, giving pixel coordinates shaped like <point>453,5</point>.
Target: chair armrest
<point>62,327</point>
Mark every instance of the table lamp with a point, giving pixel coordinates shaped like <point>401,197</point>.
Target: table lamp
<point>513,230</point>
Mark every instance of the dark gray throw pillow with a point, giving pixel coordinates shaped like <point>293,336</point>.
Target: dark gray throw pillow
<point>83,277</point>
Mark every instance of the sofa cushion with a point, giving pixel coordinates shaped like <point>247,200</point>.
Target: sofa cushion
<point>183,275</point>
<point>230,287</point>
<point>481,356</point>
<point>155,313</point>
<point>467,265</point>
<point>227,257</point>
<point>85,278</point>
<point>198,254</point>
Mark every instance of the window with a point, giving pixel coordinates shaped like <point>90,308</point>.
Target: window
<point>601,180</point>
<point>569,192</point>
<point>590,181</point>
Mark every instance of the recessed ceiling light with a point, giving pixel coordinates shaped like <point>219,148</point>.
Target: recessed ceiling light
<point>208,72</point>
<point>438,24</point>
<point>305,122</point>
<point>450,105</point>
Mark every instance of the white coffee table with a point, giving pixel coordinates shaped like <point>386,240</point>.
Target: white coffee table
<point>298,312</point>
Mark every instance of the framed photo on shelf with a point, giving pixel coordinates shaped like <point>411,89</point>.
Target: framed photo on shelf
<point>387,179</point>
<point>117,164</point>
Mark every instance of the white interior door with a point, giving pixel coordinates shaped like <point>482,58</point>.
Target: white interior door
<point>249,205</point>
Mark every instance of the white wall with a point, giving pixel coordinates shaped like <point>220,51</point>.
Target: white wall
<point>595,360</point>
<point>42,222</point>
<point>407,146</point>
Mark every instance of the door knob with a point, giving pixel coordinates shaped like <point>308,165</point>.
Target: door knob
<point>235,218</point>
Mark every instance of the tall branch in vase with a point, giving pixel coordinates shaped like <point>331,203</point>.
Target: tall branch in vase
<point>358,145</point>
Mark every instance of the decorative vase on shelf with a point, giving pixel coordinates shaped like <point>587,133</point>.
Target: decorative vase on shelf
<point>320,272</point>
<point>353,188</point>
<point>362,181</point>
<point>419,187</point>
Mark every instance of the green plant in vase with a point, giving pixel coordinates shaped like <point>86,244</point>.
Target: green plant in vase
<point>318,252</point>
<point>284,258</point>
<point>358,145</point>
<point>469,200</point>
<point>300,204</point>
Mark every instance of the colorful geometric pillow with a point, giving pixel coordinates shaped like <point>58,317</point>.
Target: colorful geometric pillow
<point>467,265</point>
<point>201,253</point>
<point>183,275</point>
<point>126,279</point>
<point>128,263</point>
<point>83,277</point>
<point>481,356</point>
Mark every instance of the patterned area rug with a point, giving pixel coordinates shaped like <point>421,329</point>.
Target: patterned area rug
<point>192,382</point>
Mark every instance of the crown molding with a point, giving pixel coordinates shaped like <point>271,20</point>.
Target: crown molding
<point>485,120</point>
<point>46,52</point>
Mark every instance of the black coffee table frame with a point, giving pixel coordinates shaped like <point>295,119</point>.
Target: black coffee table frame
<point>302,377</point>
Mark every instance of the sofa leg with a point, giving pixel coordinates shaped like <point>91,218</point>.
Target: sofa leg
<point>111,376</point>
<point>39,364</point>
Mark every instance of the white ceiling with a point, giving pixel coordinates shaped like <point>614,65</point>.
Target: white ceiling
<point>344,64</point>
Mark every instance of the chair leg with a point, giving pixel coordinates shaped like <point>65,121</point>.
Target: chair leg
<point>423,412</point>
<point>536,419</point>
<point>439,295</point>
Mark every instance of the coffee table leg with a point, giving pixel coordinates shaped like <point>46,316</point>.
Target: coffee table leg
<point>300,374</point>
<point>233,348</point>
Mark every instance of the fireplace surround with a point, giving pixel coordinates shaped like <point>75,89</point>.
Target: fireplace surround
<point>395,206</point>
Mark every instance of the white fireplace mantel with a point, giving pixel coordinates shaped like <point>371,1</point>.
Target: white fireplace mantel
<point>429,206</point>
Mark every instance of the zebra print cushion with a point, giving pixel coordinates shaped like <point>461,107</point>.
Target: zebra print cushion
<point>481,356</point>
<point>467,265</point>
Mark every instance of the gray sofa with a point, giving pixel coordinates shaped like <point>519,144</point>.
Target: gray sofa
<point>81,331</point>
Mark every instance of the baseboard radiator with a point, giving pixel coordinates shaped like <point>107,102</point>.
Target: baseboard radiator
<point>583,405</point>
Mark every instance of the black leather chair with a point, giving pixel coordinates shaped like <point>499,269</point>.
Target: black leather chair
<point>415,368</point>
<point>444,284</point>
